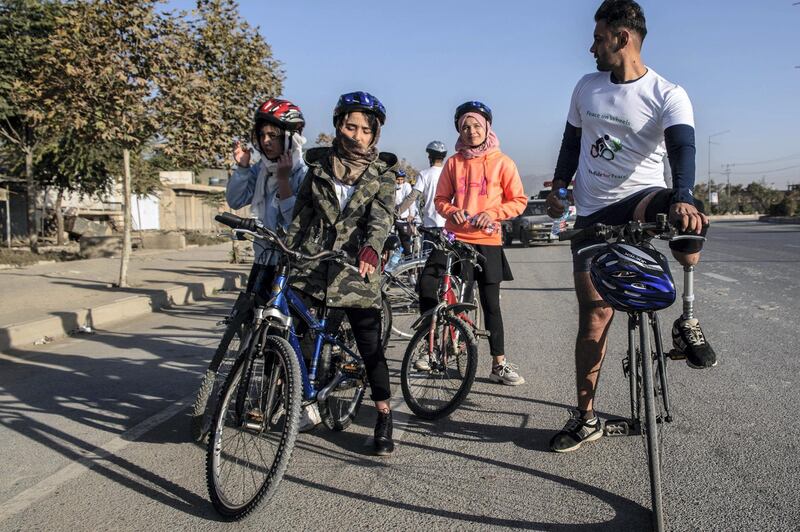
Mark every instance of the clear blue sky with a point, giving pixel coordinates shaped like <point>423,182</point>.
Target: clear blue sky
<point>736,60</point>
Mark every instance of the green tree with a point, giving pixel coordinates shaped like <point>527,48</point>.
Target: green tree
<point>107,62</point>
<point>221,69</point>
<point>25,29</point>
<point>761,196</point>
<point>68,165</point>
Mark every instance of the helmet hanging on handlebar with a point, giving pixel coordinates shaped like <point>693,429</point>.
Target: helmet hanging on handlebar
<point>632,279</point>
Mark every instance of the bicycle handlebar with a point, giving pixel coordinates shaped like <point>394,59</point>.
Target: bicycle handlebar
<point>255,228</point>
<point>445,244</point>
<point>635,232</point>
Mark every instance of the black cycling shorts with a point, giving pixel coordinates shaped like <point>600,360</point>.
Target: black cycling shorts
<point>622,212</point>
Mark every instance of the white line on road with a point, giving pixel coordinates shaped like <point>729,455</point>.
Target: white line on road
<point>720,277</point>
<point>792,246</point>
<point>44,488</point>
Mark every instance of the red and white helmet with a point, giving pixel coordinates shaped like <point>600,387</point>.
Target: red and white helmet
<point>281,113</point>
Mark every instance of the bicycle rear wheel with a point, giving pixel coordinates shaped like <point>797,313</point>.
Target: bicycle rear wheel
<point>227,351</point>
<point>448,347</point>
<point>254,429</point>
<point>651,426</point>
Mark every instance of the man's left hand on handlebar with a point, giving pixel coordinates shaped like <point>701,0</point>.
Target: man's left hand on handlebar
<point>687,218</point>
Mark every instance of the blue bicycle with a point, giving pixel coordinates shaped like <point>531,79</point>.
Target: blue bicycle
<point>257,417</point>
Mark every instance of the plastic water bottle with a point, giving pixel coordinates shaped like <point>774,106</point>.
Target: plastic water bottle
<point>562,195</point>
<point>489,229</point>
<point>394,260</point>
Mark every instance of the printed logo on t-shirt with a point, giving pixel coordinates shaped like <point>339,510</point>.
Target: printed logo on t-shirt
<point>605,147</point>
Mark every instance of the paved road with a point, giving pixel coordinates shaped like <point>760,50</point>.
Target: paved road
<point>112,402</point>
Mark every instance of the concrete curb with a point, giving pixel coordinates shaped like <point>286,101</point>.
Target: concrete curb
<point>780,219</point>
<point>61,324</point>
<point>733,217</point>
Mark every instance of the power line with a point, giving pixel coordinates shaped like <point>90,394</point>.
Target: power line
<point>769,161</point>
<point>751,172</point>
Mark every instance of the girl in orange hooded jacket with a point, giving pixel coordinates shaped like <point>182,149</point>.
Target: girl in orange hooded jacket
<point>479,187</point>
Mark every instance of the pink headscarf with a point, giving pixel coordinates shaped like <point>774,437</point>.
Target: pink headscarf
<point>491,142</point>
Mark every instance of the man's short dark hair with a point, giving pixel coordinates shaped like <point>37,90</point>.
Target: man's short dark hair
<point>622,14</point>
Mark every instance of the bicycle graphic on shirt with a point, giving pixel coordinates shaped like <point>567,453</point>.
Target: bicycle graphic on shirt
<point>606,147</point>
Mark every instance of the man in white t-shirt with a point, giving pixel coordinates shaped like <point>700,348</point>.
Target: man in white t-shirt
<point>622,121</point>
<point>427,180</point>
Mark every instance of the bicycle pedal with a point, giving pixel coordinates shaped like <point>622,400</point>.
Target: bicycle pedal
<point>482,333</point>
<point>352,369</point>
<point>617,427</point>
<point>674,354</point>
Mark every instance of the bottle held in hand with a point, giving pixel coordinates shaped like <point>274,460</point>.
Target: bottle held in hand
<point>490,229</point>
<point>560,223</point>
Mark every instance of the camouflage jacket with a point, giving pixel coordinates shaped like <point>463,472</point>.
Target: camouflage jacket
<point>318,223</point>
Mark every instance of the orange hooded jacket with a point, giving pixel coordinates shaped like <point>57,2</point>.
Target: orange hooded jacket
<point>489,183</point>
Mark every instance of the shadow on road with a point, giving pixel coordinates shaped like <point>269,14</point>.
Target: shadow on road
<point>111,392</point>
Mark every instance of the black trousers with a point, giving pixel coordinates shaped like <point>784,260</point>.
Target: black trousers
<point>366,326</point>
<point>494,270</point>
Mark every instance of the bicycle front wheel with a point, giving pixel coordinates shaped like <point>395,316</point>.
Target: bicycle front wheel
<point>254,429</point>
<point>651,425</point>
<point>439,366</point>
<point>226,353</point>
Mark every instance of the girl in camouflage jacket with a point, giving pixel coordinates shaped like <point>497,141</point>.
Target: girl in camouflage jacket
<point>346,202</point>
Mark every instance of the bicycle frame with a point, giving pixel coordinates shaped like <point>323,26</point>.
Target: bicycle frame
<point>277,312</point>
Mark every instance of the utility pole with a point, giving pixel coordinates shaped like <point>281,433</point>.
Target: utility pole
<point>709,163</point>
<point>727,171</point>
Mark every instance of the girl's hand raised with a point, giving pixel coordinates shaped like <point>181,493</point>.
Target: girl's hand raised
<point>284,166</point>
<point>241,155</point>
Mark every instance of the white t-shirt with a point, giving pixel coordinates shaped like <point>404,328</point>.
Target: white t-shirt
<point>622,137</point>
<point>427,180</point>
<point>400,194</point>
<point>343,193</point>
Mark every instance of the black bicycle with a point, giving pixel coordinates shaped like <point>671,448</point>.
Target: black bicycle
<point>645,364</point>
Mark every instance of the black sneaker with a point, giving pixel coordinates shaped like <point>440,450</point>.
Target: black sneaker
<point>688,338</point>
<point>383,444</point>
<point>575,432</point>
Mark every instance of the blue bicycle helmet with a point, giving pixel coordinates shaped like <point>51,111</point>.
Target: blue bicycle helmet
<point>632,279</point>
<point>472,107</point>
<point>359,101</point>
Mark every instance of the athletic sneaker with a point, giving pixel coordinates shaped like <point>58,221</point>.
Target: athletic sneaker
<point>422,363</point>
<point>309,418</point>
<point>688,338</point>
<point>575,432</point>
<point>506,373</point>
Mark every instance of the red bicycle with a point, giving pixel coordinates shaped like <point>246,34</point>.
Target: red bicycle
<point>441,359</point>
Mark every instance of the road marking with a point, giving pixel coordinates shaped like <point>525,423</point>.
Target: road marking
<point>720,277</point>
<point>72,471</point>
<point>792,246</point>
